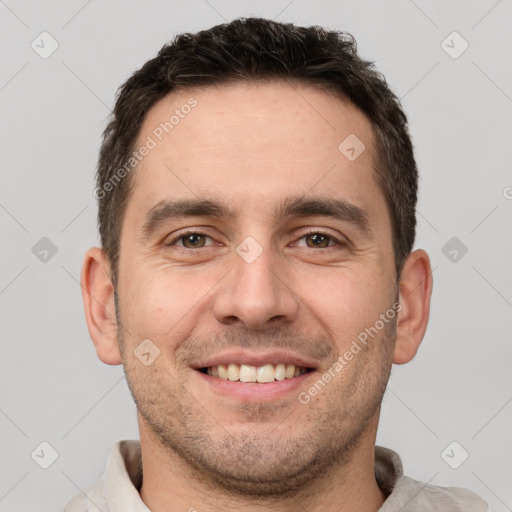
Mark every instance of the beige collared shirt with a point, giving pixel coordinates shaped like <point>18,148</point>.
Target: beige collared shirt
<point>118,488</point>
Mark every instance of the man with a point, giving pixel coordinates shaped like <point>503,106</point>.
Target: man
<point>257,191</point>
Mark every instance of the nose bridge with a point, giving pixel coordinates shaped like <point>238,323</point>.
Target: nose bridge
<point>254,293</point>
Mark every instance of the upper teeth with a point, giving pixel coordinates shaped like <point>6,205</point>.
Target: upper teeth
<point>248,373</point>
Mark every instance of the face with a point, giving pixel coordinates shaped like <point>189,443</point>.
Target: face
<point>251,239</point>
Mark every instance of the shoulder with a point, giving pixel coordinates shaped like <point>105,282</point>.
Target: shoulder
<point>76,504</point>
<point>119,483</point>
<point>409,494</point>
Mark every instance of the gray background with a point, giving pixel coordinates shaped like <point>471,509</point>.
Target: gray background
<point>55,389</point>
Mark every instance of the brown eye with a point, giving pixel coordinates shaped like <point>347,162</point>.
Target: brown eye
<point>193,240</point>
<point>318,240</point>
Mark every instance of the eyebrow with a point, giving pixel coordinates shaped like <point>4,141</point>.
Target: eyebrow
<point>335,208</point>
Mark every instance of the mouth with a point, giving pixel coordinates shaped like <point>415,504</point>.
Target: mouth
<point>251,374</point>
<point>253,383</point>
<point>250,377</point>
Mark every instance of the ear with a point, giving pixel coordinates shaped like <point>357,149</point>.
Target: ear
<point>98,297</point>
<point>414,296</point>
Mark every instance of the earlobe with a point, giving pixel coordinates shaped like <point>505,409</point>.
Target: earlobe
<point>414,296</point>
<point>98,297</point>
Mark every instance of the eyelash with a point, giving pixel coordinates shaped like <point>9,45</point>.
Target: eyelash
<point>312,232</point>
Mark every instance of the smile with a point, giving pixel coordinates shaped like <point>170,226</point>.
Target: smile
<point>249,373</point>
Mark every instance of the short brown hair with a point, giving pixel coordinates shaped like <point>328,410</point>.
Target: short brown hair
<point>260,49</point>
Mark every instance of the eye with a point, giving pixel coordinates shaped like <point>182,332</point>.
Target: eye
<point>198,240</point>
<point>190,240</point>
<point>319,240</point>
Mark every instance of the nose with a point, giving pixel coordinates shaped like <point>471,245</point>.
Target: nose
<point>256,294</point>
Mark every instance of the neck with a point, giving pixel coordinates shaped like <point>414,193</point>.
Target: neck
<point>170,484</point>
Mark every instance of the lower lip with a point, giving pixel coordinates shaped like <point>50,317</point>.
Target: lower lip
<point>254,391</point>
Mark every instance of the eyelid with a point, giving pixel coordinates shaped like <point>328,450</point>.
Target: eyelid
<point>339,240</point>
<point>204,232</point>
<point>190,231</point>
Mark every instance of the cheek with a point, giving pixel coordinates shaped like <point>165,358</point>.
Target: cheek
<point>164,303</point>
<point>345,302</point>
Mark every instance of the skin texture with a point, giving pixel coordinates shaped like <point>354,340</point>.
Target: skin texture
<point>251,145</point>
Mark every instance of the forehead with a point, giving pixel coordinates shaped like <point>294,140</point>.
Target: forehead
<point>255,143</point>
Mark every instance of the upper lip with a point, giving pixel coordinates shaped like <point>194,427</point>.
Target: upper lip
<point>255,359</point>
